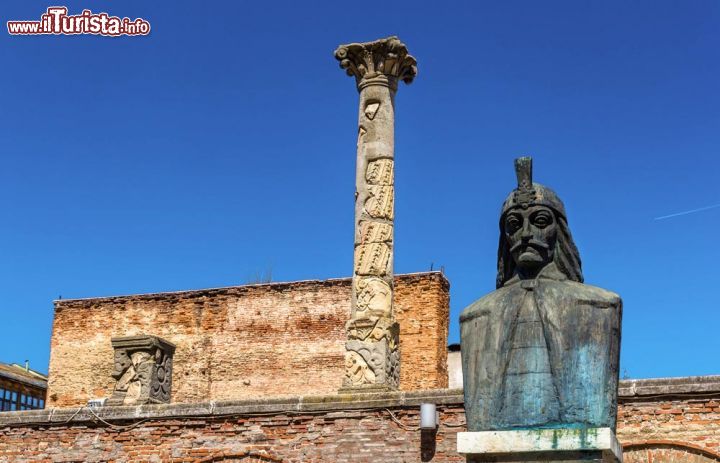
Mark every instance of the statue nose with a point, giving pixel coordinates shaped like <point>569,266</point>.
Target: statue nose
<point>526,230</point>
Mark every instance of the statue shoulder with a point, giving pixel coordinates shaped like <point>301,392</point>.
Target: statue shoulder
<point>485,305</point>
<point>594,294</point>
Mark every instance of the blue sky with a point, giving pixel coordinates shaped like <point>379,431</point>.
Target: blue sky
<point>223,145</point>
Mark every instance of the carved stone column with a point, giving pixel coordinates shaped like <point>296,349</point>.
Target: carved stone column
<point>143,370</point>
<point>372,357</point>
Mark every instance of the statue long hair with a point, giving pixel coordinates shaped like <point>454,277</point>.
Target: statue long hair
<point>566,255</point>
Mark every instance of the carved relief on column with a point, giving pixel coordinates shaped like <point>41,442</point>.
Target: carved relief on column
<point>143,370</point>
<point>372,356</point>
<point>372,291</point>
<point>380,172</point>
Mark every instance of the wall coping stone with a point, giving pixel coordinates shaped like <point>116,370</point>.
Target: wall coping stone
<point>629,390</point>
<point>277,286</point>
<point>218,409</point>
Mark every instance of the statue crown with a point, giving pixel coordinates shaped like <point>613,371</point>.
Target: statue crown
<point>525,194</point>
<point>528,193</point>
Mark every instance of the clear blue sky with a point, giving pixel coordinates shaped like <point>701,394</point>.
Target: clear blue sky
<point>223,144</point>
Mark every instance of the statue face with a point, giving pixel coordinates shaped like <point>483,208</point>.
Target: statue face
<point>531,234</point>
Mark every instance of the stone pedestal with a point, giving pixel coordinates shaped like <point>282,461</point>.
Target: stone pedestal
<point>371,358</point>
<point>596,445</point>
<point>143,370</point>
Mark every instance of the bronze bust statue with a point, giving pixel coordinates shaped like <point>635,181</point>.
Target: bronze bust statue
<point>543,349</point>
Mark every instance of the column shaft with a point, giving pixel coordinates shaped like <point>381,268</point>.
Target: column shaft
<point>374,205</point>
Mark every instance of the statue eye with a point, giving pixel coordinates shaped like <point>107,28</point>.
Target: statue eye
<point>542,219</point>
<point>513,224</point>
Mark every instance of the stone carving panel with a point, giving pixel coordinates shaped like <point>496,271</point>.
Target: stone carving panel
<point>372,259</point>
<point>357,370</point>
<point>371,329</point>
<point>142,369</point>
<point>371,361</point>
<point>372,355</point>
<point>380,172</point>
<point>371,109</point>
<point>380,202</point>
<point>375,232</point>
<point>374,297</point>
<point>361,133</point>
<point>393,362</point>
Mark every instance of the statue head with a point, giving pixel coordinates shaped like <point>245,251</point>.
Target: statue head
<point>534,231</point>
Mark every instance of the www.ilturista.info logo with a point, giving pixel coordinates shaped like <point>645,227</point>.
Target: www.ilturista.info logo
<point>56,21</point>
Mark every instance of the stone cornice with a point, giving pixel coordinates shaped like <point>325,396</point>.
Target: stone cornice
<point>629,390</point>
<point>384,60</point>
<point>240,289</point>
<point>219,409</point>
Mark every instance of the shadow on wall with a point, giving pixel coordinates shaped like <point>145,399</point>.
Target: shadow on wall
<point>427,444</point>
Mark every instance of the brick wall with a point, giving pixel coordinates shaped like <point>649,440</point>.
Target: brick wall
<point>381,428</point>
<point>670,420</point>
<point>373,428</point>
<point>245,341</point>
<point>688,420</point>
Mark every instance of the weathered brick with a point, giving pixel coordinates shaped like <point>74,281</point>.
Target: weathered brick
<point>246,341</point>
<point>338,435</point>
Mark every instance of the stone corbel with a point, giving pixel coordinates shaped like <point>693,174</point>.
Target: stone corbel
<point>143,370</point>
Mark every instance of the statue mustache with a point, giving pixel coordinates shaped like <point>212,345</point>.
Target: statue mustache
<point>530,242</point>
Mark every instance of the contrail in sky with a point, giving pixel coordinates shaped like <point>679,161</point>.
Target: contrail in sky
<point>691,211</point>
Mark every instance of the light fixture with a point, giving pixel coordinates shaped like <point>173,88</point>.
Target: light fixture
<point>428,416</point>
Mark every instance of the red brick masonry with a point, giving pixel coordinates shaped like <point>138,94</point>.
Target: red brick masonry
<point>245,342</point>
<point>660,421</point>
<point>670,420</point>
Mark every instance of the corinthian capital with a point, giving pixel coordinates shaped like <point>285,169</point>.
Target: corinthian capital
<point>381,60</point>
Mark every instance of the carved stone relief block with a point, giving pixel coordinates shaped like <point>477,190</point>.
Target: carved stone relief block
<point>379,203</point>
<point>372,355</point>
<point>372,259</point>
<point>380,172</point>
<point>143,370</point>
<point>375,232</point>
<point>357,370</point>
<point>370,328</point>
<point>361,133</point>
<point>371,109</point>
<point>374,297</point>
